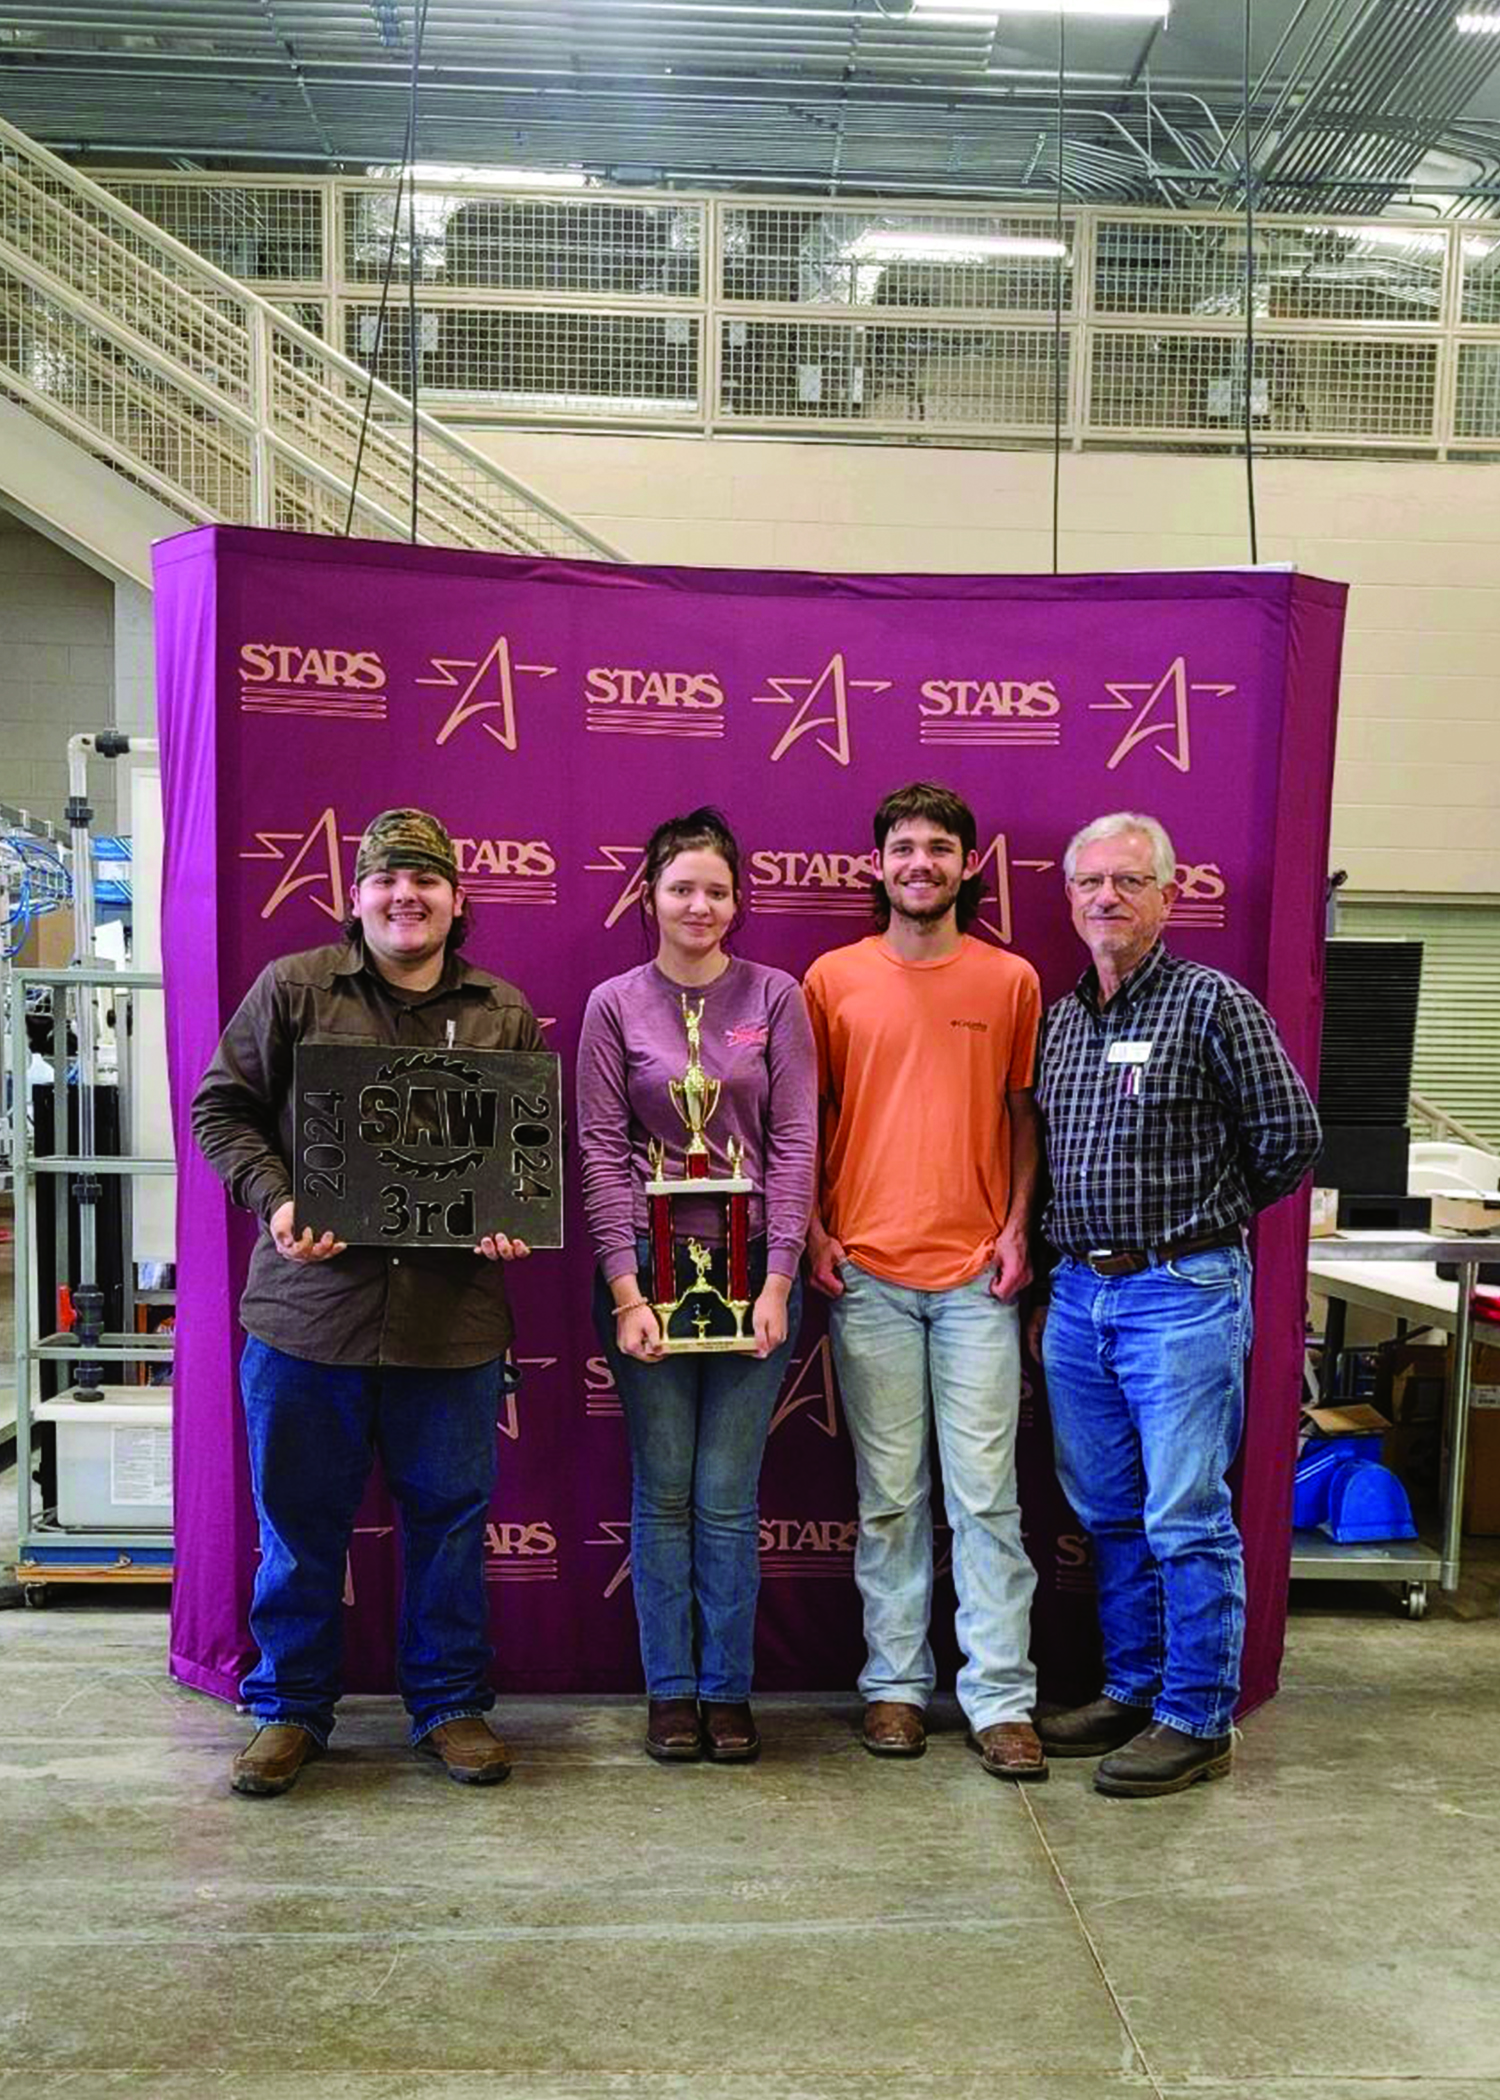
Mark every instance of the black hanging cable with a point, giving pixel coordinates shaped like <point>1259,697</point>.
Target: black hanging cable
<point>387,276</point>
<point>1058,262</point>
<point>414,347</point>
<point>1249,176</point>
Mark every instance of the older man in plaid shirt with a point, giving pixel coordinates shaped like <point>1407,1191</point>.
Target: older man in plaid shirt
<point>1172,1115</point>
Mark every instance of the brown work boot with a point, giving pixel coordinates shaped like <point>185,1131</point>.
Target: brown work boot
<point>470,1750</point>
<point>271,1760</point>
<point>1162,1760</point>
<point>730,1731</point>
<point>674,1734</point>
<point>894,1729</point>
<point>1010,1750</point>
<point>1092,1730</point>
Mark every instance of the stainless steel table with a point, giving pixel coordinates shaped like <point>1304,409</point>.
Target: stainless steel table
<point>1396,1272</point>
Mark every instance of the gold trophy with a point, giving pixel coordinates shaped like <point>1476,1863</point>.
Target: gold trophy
<point>699,1316</point>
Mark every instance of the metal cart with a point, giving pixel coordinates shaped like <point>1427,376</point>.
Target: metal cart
<point>1411,1562</point>
<point>50,1552</point>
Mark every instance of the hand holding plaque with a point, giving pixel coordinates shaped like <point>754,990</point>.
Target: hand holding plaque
<point>694,1312</point>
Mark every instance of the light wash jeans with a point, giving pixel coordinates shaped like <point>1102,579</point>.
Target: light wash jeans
<point>1146,1383</point>
<point>904,1356</point>
<point>698,1427</point>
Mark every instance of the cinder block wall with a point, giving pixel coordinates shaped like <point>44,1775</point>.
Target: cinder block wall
<point>56,671</point>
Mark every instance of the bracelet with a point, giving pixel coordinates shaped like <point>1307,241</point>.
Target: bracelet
<point>634,1306</point>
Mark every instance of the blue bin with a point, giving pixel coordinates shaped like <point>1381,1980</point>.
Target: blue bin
<point>1367,1502</point>
<point>1313,1478</point>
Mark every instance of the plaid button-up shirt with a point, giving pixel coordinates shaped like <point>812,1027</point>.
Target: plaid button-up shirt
<point>1170,1113</point>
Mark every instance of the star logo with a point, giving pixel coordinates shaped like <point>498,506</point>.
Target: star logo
<point>820,703</point>
<point>995,917</point>
<point>490,691</point>
<point>629,861</point>
<point>1163,718</point>
<point>614,1531</point>
<point>811,1389</point>
<point>318,861</point>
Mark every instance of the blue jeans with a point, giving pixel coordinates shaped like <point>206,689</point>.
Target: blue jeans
<point>892,1348</point>
<point>313,1430</point>
<point>698,1427</point>
<point>1146,1383</point>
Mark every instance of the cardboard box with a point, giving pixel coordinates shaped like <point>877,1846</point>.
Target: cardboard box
<point>49,945</point>
<point>1452,1214</point>
<point>1412,1388</point>
<point>1411,1380</point>
<point>1354,1418</point>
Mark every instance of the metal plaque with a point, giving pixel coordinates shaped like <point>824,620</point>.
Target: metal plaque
<point>427,1148</point>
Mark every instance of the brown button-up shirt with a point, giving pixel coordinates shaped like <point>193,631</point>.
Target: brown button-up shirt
<point>434,1309</point>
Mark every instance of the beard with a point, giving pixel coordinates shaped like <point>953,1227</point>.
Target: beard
<point>934,904</point>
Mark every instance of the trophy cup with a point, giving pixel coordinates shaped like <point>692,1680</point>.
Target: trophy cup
<point>699,1316</point>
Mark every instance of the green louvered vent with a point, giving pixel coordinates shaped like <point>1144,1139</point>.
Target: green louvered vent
<point>1457,1065</point>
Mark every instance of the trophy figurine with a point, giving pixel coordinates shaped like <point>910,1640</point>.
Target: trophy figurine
<point>699,1315</point>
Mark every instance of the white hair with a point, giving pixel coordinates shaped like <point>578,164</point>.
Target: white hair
<point>1163,858</point>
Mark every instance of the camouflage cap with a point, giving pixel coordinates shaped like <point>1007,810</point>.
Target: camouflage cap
<point>405,838</point>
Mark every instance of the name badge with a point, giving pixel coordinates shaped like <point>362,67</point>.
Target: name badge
<point>1128,1053</point>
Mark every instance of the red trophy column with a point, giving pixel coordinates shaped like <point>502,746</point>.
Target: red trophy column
<point>739,1249</point>
<point>659,1209</point>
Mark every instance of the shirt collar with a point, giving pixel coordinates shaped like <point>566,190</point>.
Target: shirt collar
<point>1139,980</point>
<point>353,959</point>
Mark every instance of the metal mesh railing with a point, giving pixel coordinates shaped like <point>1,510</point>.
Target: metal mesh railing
<point>222,405</point>
<point>1155,382</point>
<point>96,389</point>
<point>260,232</point>
<point>91,251</point>
<point>879,322</point>
<point>818,256</point>
<point>317,418</point>
<point>938,376</point>
<point>537,361</point>
<point>1195,268</point>
<point>612,247</point>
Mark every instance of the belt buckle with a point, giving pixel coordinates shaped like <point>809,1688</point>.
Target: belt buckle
<point>1103,1261</point>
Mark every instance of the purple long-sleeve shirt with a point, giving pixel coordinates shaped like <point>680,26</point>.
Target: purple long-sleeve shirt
<point>756,1041</point>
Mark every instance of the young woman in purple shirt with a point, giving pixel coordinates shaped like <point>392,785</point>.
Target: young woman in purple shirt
<point>697,1423</point>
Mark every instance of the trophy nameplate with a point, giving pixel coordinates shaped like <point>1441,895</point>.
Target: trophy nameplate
<point>427,1148</point>
<point>695,1313</point>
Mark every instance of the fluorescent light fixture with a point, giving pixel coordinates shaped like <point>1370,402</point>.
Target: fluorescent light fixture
<point>1399,237</point>
<point>1402,238</point>
<point>1477,25</point>
<point>1119,10</point>
<point>496,177</point>
<point>888,245</point>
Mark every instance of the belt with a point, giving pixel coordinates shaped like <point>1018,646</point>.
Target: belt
<point>1129,1261</point>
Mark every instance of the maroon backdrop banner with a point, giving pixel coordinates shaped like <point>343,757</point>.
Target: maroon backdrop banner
<point>551,712</point>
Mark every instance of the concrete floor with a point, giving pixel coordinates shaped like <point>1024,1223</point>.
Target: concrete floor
<point>822,1926</point>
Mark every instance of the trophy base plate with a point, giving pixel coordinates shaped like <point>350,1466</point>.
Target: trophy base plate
<point>714,1345</point>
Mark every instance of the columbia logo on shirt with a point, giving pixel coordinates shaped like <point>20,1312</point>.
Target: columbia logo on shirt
<point>982,1026</point>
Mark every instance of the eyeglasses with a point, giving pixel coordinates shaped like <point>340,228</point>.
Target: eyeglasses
<point>1125,885</point>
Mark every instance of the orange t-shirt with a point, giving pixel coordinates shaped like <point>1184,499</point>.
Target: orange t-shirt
<point>914,1063</point>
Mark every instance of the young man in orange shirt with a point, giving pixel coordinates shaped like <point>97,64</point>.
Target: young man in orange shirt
<point>926,1039</point>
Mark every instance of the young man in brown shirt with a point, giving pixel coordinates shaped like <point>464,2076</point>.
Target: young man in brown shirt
<point>356,1350</point>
